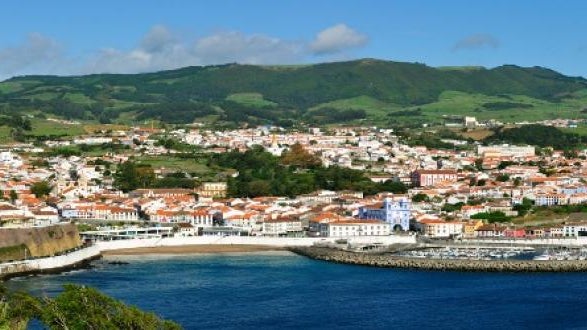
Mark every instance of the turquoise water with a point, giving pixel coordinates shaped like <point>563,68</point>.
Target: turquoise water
<point>278,290</point>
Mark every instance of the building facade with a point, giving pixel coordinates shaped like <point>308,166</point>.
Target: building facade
<point>394,211</point>
<point>427,178</point>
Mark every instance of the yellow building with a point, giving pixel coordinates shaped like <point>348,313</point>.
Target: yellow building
<point>470,228</point>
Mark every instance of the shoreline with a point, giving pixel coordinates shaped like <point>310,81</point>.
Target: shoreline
<point>193,249</point>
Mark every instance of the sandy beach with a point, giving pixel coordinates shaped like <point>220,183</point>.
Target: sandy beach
<point>207,248</point>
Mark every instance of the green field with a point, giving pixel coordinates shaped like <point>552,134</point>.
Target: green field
<point>10,87</point>
<point>5,135</point>
<point>45,127</point>
<point>255,100</point>
<point>171,163</point>
<point>374,108</point>
<point>78,98</point>
<point>452,103</point>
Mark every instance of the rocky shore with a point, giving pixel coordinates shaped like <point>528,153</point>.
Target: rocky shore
<point>387,260</point>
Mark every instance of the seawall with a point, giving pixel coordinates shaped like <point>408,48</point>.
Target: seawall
<point>53,264</point>
<point>389,261</point>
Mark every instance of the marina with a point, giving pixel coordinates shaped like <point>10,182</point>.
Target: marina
<point>470,253</point>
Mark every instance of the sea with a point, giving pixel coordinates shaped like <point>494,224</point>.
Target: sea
<point>281,290</point>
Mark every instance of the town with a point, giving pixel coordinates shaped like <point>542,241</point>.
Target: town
<point>475,191</point>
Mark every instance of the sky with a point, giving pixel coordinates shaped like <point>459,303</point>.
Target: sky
<point>129,36</point>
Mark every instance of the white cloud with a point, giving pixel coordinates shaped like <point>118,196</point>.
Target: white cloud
<point>337,38</point>
<point>162,49</point>
<point>233,46</point>
<point>37,52</point>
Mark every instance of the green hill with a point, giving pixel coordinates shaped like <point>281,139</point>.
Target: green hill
<point>377,91</point>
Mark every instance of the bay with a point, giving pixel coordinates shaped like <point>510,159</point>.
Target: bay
<point>277,290</point>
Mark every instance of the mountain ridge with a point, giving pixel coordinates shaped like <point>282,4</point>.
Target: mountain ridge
<point>276,93</point>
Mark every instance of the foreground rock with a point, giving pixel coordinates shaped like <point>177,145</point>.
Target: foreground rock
<point>389,261</point>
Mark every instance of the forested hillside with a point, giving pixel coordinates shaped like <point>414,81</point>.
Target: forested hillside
<point>368,89</point>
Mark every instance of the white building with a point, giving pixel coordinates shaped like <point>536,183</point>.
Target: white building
<point>506,150</point>
<point>276,227</point>
<point>352,228</point>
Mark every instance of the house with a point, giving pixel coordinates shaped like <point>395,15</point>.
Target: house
<point>354,227</point>
<point>212,189</point>
<point>549,199</point>
<point>535,232</point>
<point>574,229</point>
<point>122,214</point>
<point>161,192</point>
<point>489,231</point>
<point>514,233</point>
<point>186,229</point>
<point>470,228</point>
<point>427,178</point>
<point>282,227</point>
<point>45,216</point>
<point>440,228</point>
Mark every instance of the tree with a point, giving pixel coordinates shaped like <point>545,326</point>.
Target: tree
<point>491,217</point>
<point>299,157</point>
<point>420,197</point>
<point>502,178</point>
<point>395,187</point>
<point>41,188</point>
<point>13,196</point>
<point>130,176</point>
<point>452,207</point>
<point>77,307</point>
<point>524,207</point>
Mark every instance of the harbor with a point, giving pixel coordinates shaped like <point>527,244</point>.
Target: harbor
<point>392,260</point>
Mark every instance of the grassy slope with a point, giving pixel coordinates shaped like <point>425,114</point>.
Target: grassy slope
<point>254,100</point>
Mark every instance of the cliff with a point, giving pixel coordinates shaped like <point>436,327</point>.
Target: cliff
<point>18,243</point>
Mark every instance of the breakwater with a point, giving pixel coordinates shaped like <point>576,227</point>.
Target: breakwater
<point>386,260</point>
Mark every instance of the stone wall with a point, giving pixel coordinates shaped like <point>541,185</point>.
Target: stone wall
<point>19,243</point>
<point>389,261</point>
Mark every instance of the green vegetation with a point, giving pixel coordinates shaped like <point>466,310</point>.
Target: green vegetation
<point>41,188</point>
<point>16,252</point>
<point>77,307</point>
<point>538,135</point>
<point>130,176</point>
<point>255,100</point>
<point>261,174</point>
<point>382,92</point>
<point>447,207</point>
<point>492,217</point>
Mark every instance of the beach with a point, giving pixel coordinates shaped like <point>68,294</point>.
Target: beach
<point>186,249</point>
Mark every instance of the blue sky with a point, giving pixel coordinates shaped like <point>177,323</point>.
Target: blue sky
<point>127,36</point>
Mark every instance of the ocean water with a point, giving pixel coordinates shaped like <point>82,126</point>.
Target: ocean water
<point>279,290</point>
